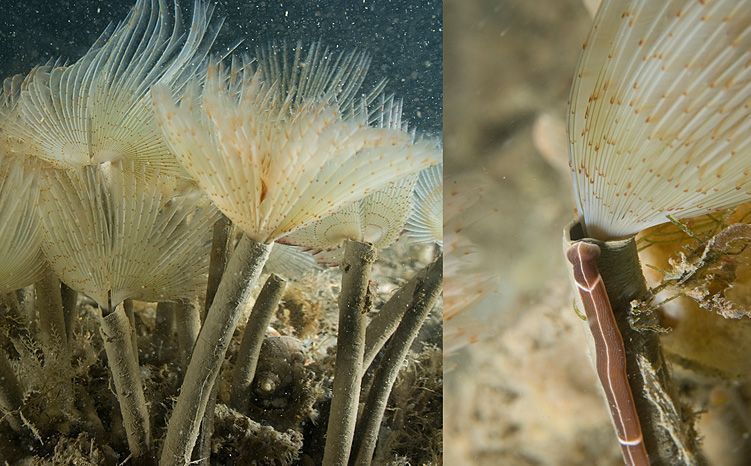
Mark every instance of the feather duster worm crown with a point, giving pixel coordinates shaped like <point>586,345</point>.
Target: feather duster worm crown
<point>659,111</point>
<point>378,218</point>
<point>99,109</point>
<point>20,235</point>
<point>425,224</point>
<point>290,262</point>
<point>113,236</point>
<point>323,75</point>
<point>273,161</point>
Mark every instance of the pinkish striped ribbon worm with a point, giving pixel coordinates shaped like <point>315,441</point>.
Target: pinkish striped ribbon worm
<point>610,352</point>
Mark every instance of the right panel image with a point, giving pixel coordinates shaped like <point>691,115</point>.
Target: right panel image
<point>597,223</point>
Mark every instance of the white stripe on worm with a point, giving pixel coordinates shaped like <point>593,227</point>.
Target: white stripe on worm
<point>610,353</point>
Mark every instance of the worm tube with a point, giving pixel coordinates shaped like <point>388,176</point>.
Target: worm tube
<point>426,293</point>
<point>242,272</point>
<point>357,264</point>
<point>118,344</point>
<point>250,347</point>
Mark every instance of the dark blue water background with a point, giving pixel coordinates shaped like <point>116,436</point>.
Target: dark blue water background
<point>404,37</point>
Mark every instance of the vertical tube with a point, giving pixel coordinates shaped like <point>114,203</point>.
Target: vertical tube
<point>220,251</point>
<point>427,291</point>
<point>128,306</point>
<point>70,306</point>
<point>49,304</point>
<point>350,348</point>
<point>242,272</point>
<point>118,344</point>
<point>164,330</point>
<point>250,347</point>
<point>187,326</point>
<point>387,320</point>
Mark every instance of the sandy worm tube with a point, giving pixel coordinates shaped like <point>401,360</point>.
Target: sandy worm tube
<point>350,346</point>
<point>250,347</point>
<point>383,325</point>
<point>118,344</point>
<point>242,272</point>
<point>427,291</point>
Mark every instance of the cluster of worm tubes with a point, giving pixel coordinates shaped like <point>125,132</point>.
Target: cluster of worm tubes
<point>271,403</point>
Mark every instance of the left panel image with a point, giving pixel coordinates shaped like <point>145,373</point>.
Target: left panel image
<point>221,232</point>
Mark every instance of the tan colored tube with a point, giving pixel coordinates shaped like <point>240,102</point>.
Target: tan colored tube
<point>118,344</point>
<point>350,347</point>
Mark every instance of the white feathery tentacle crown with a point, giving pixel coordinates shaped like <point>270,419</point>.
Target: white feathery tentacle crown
<point>425,224</point>
<point>99,109</point>
<point>20,236</point>
<point>378,218</point>
<point>274,157</point>
<point>659,114</point>
<point>111,235</point>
